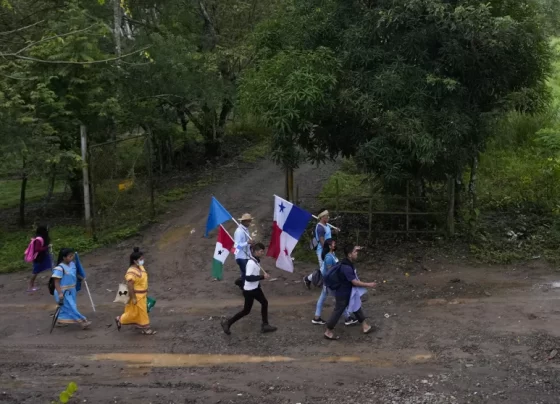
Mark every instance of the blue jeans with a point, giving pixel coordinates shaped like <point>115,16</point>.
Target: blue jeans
<point>242,269</point>
<point>321,301</point>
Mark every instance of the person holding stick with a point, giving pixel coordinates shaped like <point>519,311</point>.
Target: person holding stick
<point>243,244</point>
<point>252,291</point>
<point>65,278</point>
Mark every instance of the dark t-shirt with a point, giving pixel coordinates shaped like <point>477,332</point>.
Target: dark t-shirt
<point>347,274</point>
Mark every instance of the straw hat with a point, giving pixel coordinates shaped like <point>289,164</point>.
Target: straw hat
<point>322,214</point>
<point>246,216</point>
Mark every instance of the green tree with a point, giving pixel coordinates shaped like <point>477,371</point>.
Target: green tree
<point>419,80</point>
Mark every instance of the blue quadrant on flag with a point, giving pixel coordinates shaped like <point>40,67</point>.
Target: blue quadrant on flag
<point>296,222</point>
<point>217,215</point>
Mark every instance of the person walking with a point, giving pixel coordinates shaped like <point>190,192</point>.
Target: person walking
<point>42,261</point>
<point>243,246</point>
<point>65,279</point>
<point>136,310</point>
<point>252,291</point>
<point>322,232</point>
<point>346,279</point>
<point>329,260</point>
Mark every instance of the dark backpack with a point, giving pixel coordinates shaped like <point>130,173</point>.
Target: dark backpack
<point>317,278</point>
<point>51,280</point>
<point>332,278</point>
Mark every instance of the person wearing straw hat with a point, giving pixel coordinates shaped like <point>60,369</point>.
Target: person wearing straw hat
<point>242,246</point>
<point>322,232</point>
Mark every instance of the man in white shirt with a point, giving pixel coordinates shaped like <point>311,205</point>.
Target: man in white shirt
<point>243,246</point>
<point>252,291</point>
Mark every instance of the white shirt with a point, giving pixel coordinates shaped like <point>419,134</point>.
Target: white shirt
<point>252,269</point>
<point>241,243</point>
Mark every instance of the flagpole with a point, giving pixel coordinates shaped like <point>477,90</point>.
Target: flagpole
<point>248,235</point>
<point>315,217</point>
<point>87,287</point>
<point>89,294</point>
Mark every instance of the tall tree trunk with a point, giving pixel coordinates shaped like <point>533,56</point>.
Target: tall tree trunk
<point>22,193</point>
<point>458,194</point>
<point>50,189</point>
<point>290,184</point>
<point>451,205</point>
<point>472,182</point>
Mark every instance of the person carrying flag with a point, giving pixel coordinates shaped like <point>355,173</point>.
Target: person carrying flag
<point>242,246</point>
<point>322,232</point>
<point>252,291</point>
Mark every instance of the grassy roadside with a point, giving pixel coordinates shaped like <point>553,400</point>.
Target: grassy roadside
<point>14,243</point>
<point>35,191</point>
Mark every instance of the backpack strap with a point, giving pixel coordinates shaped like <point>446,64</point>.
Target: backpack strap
<point>61,268</point>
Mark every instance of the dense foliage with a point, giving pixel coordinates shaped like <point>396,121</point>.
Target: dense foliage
<point>408,87</point>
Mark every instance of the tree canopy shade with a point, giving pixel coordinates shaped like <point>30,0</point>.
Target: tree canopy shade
<point>407,86</point>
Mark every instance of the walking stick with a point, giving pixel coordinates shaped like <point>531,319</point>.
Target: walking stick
<point>57,313</point>
<point>89,294</point>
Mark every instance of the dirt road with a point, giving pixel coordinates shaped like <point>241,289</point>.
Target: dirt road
<point>447,333</point>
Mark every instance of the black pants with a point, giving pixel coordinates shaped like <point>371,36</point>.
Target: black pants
<point>242,268</point>
<point>250,296</point>
<point>341,302</point>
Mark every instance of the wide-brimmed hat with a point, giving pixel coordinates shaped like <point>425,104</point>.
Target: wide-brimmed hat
<point>322,214</point>
<point>246,216</point>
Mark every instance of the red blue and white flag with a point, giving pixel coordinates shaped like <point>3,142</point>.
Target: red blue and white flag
<point>289,224</point>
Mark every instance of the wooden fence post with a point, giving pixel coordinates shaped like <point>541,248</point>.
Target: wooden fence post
<point>407,208</point>
<point>450,205</point>
<point>337,196</point>
<point>370,212</point>
<point>87,200</point>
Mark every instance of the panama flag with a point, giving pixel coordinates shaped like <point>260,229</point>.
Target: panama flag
<point>289,224</point>
<point>224,246</point>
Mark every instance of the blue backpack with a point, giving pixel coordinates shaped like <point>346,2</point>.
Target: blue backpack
<point>332,278</point>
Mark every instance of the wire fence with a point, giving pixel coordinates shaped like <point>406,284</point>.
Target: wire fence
<point>368,217</point>
<point>123,193</point>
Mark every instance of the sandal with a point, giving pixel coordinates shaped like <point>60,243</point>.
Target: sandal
<point>149,332</point>
<point>333,338</point>
<point>33,289</point>
<point>86,324</point>
<point>370,329</point>
<point>118,322</point>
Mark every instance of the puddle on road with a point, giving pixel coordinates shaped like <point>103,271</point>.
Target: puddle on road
<point>176,234</point>
<point>186,360</point>
<point>198,360</point>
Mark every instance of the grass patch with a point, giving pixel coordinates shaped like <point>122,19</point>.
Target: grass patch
<point>14,243</point>
<point>178,194</point>
<point>255,153</point>
<point>35,190</point>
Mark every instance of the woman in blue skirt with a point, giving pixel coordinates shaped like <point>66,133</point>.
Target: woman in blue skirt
<point>65,277</point>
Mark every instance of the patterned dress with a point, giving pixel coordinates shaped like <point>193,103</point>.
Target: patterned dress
<point>137,314</point>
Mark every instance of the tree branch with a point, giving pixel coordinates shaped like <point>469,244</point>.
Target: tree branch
<point>50,38</point>
<point>206,16</point>
<point>194,119</point>
<point>70,62</point>
<point>21,29</point>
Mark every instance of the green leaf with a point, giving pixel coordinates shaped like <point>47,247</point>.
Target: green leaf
<point>64,397</point>
<point>72,388</point>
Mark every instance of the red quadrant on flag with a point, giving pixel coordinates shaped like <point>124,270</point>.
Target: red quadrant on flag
<point>224,245</point>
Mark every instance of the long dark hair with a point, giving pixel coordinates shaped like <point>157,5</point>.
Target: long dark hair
<point>136,255</point>
<point>326,248</point>
<point>63,253</point>
<point>43,232</point>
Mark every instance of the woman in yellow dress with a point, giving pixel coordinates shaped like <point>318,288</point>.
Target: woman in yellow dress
<point>136,310</point>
